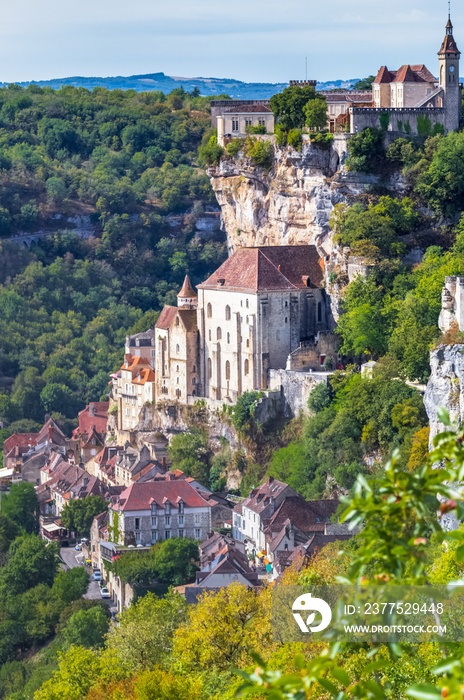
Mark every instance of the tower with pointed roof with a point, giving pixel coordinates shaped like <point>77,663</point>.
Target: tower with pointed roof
<point>187,297</point>
<point>448,59</point>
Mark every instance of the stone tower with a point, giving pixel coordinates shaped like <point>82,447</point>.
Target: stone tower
<point>187,297</point>
<point>448,59</point>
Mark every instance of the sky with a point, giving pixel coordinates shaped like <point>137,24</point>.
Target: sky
<point>249,40</point>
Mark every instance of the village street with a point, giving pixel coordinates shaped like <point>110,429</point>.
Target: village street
<point>72,559</point>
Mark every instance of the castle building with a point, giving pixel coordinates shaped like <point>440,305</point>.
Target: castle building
<point>412,97</point>
<point>133,387</point>
<point>249,316</point>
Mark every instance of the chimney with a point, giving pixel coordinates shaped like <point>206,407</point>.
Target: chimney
<point>163,463</point>
<point>127,358</point>
<point>221,282</point>
<point>91,409</point>
<point>271,480</point>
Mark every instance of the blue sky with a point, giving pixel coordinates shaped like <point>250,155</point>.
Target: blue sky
<point>250,40</point>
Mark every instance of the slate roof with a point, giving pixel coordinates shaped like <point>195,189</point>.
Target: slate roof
<point>449,44</point>
<point>140,496</point>
<point>144,339</point>
<point>259,498</point>
<point>306,515</point>
<point>269,268</point>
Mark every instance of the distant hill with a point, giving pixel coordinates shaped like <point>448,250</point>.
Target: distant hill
<point>166,83</point>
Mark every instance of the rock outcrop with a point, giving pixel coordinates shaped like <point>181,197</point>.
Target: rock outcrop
<point>445,388</point>
<point>290,204</point>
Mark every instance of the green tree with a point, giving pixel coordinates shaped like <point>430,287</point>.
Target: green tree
<point>289,105</point>
<point>316,113</point>
<point>21,506</point>
<point>87,628</point>
<point>176,560</point>
<point>190,452</point>
<point>78,514</point>
<point>9,530</point>
<point>31,562</point>
<point>71,585</point>
<point>56,189</point>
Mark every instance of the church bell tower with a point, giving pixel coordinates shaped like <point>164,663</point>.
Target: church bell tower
<point>448,59</point>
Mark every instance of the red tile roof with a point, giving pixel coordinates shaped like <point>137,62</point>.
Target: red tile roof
<point>20,440</point>
<point>269,268</point>
<point>141,496</point>
<point>144,376</point>
<point>406,74</point>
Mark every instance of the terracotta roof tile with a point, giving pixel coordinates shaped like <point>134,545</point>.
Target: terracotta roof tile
<point>166,317</point>
<point>20,440</point>
<point>139,496</point>
<point>268,268</point>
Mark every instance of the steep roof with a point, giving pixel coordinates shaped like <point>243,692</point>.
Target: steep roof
<point>92,417</point>
<point>166,317</point>
<point>140,496</point>
<point>406,74</point>
<point>187,291</point>
<point>260,498</point>
<point>141,339</point>
<point>449,45</point>
<point>22,440</point>
<point>188,318</point>
<point>143,376</point>
<point>269,268</point>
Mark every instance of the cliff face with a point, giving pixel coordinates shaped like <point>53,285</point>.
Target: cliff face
<point>445,389</point>
<point>446,386</point>
<point>291,204</point>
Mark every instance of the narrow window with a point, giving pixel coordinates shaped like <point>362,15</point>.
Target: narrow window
<point>227,313</point>
<point>210,368</point>
<point>247,366</point>
<point>319,312</point>
<point>218,333</point>
<point>228,337</point>
<point>177,347</point>
<point>209,311</point>
<point>227,369</point>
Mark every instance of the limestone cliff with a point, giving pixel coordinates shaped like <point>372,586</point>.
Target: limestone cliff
<point>290,204</point>
<point>446,385</point>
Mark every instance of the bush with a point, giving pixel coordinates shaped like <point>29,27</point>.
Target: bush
<point>281,135</point>
<point>234,147</point>
<point>260,152</point>
<point>294,139</point>
<point>321,139</point>
<point>259,129</point>
<point>210,152</point>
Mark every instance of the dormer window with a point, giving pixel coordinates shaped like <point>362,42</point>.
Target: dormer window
<point>168,508</point>
<point>181,506</point>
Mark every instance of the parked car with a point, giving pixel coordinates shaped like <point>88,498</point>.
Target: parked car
<point>105,593</point>
<point>97,575</point>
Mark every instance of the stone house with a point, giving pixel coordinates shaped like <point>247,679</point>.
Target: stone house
<point>405,87</point>
<point>232,118</point>
<point>142,345</point>
<point>133,387</point>
<point>130,463</point>
<point>149,512</point>
<point>91,431</point>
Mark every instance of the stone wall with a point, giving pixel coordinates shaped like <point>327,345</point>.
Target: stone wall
<point>310,355</point>
<point>363,117</point>
<point>295,388</point>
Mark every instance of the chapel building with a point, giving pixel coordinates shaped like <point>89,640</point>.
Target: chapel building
<point>248,317</point>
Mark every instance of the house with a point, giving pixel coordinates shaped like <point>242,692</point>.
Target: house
<point>27,453</point>
<point>142,345</point>
<point>91,431</point>
<point>146,513</point>
<point>234,118</point>
<point>103,466</point>
<point>230,565</point>
<point>132,463</point>
<point>133,387</point>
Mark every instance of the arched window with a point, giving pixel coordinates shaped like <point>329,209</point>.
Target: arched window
<point>247,366</point>
<point>177,320</point>
<point>228,337</point>
<point>209,311</point>
<point>227,369</point>
<point>194,381</point>
<point>177,347</point>
<point>210,368</point>
<point>177,368</point>
<point>319,312</point>
<point>178,393</point>
<point>194,368</point>
<point>218,333</point>
<point>227,313</point>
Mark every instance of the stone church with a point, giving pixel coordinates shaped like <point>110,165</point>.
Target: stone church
<point>261,305</point>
